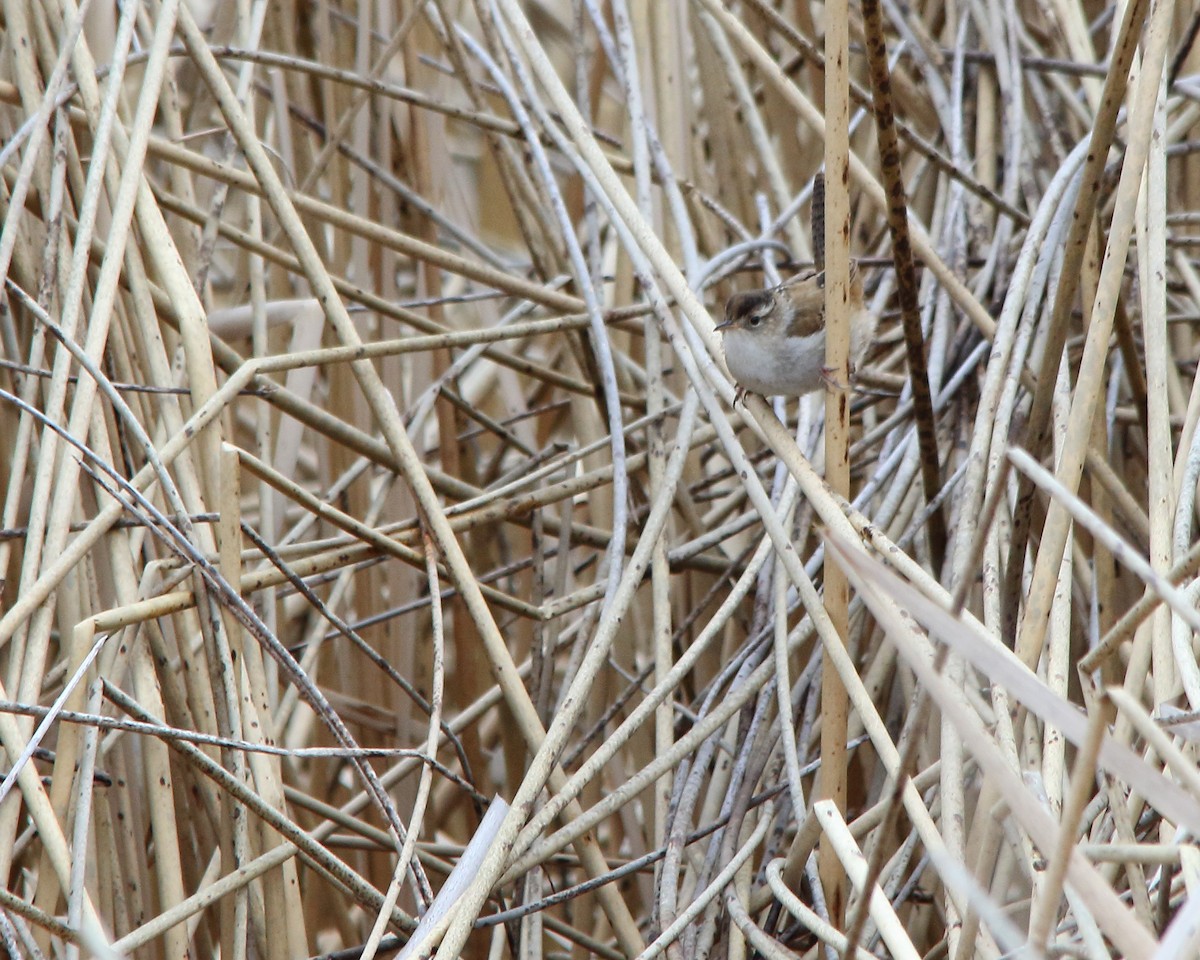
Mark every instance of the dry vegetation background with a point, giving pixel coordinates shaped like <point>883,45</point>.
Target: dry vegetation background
<point>366,453</point>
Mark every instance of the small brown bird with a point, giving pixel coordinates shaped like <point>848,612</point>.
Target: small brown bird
<point>775,338</point>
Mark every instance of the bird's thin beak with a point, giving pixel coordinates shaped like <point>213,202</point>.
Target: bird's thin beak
<point>722,326</point>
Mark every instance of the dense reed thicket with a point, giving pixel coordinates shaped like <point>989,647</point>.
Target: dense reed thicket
<point>368,452</point>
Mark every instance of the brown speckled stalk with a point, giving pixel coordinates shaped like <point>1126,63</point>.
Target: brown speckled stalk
<point>906,274</point>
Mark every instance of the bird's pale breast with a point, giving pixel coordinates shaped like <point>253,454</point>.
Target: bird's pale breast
<point>788,366</point>
<point>775,366</point>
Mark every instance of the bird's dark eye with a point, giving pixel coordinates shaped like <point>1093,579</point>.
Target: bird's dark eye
<point>755,319</point>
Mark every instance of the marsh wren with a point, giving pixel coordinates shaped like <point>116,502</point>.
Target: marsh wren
<point>775,338</point>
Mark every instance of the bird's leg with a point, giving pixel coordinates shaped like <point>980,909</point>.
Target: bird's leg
<point>740,394</point>
<point>828,377</point>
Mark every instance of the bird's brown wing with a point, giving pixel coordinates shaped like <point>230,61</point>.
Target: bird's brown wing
<point>808,299</point>
<point>807,294</point>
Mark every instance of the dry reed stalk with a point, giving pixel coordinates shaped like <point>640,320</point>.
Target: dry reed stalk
<point>835,258</point>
